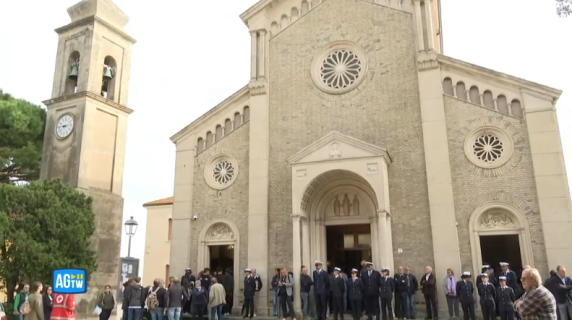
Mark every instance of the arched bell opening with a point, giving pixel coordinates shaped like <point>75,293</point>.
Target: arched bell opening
<point>108,78</point>
<point>73,73</point>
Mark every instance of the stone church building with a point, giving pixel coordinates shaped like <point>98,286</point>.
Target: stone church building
<point>355,139</point>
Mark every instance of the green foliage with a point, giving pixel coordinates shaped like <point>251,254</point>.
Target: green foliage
<point>44,225</point>
<point>564,8</point>
<point>22,127</point>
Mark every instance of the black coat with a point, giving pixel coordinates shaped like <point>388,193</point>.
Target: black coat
<point>413,283</point>
<point>465,291</point>
<point>371,282</point>
<point>561,294</point>
<point>228,283</point>
<point>338,287</point>
<point>487,292</point>
<point>506,298</point>
<point>400,283</point>
<point>249,286</point>
<point>386,287</point>
<point>321,282</point>
<point>355,289</point>
<point>188,281</point>
<point>511,279</point>
<point>175,296</point>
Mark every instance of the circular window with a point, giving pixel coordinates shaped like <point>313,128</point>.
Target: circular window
<point>489,147</point>
<point>221,172</point>
<point>339,67</point>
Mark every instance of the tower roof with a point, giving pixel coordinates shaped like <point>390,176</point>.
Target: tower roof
<point>103,9</point>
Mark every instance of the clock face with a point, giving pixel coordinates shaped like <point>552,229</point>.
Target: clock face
<point>64,127</point>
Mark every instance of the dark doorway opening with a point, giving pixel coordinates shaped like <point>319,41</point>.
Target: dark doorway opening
<point>504,248</point>
<point>347,246</point>
<point>221,257</point>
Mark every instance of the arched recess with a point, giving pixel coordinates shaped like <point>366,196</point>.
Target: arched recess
<point>516,109</point>
<point>108,81</point>
<point>219,232</point>
<point>218,132</point>
<point>72,75</point>
<point>227,126</point>
<point>475,95</point>
<point>448,87</point>
<point>499,218</point>
<point>502,104</point>
<point>305,7</point>
<point>488,100</point>
<point>200,145</point>
<point>461,91</point>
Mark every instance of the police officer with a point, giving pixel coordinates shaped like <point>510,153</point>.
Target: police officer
<point>371,281</point>
<point>321,290</point>
<point>506,298</point>
<point>386,288</point>
<point>249,290</point>
<point>511,278</point>
<point>355,293</point>
<point>490,271</point>
<point>487,294</point>
<point>465,291</point>
<point>338,289</point>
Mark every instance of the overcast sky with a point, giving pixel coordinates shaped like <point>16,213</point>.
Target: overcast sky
<point>192,54</point>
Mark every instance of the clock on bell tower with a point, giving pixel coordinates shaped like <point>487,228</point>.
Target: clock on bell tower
<point>86,125</point>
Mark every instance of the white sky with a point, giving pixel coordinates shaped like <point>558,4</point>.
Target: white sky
<point>192,54</point>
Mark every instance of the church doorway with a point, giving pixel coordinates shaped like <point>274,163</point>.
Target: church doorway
<point>347,246</point>
<point>221,256</point>
<point>502,248</point>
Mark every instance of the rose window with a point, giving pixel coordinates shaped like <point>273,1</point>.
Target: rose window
<point>340,69</point>
<point>223,172</point>
<point>488,148</point>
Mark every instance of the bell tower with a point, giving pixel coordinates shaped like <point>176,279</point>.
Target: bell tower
<point>86,126</point>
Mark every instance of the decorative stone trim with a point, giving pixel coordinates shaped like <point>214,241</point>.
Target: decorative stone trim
<point>340,67</point>
<point>221,171</point>
<point>501,197</point>
<point>492,146</point>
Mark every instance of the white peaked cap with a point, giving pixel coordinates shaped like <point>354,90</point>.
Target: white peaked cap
<point>337,269</point>
<point>502,278</point>
<point>504,264</point>
<point>467,273</point>
<point>317,262</point>
<point>484,275</point>
<point>485,266</point>
<point>354,270</point>
<point>385,269</point>
<point>247,270</point>
<point>369,263</point>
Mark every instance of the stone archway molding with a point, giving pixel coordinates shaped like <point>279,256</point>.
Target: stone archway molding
<point>510,217</point>
<point>219,232</point>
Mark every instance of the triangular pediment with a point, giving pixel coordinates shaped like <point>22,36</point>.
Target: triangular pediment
<point>337,146</point>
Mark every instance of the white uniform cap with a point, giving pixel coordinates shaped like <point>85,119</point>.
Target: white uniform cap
<point>317,262</point>
<point>484,275</point>
<point>354,270</point>
<point>502,278</point>
<point>467,273</point>
<point>504,264</point>
<point>337,269</point>
<point>486,266</point>
<point>369,263</point>
<point>384,269</point>
<point>247,270</point>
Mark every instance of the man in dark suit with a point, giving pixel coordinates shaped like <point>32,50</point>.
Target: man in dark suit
<point>465,292</point>
<point>506,298</point>
<point>338,289</point>
<point>355,293</point>
<point>488,295</point>
<point>400,293</point>
<point>429,289</point>
<point>562,286</point>
<point>321,290</point>
<point>511,278</point>
<point>249,290</point>
<point>371,281</point>
<point>386,288</point>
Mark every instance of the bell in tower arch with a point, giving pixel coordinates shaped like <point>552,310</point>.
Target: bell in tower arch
<point>108,74</point>
<point>74,70</point>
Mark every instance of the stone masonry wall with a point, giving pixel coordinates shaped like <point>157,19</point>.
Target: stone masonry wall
<point>516,185</point>
<point>383,110</point>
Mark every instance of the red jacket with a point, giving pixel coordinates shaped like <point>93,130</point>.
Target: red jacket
<point>63,307</point>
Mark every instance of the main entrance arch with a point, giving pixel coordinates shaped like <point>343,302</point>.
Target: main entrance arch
<point>339,181</point>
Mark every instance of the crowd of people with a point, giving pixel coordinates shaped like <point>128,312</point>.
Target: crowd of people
<point>36,302</point>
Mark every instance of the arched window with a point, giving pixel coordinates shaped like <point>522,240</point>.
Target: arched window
<point>227,126</point>
<point>237,120</point>
<point>218,132</point>
<point>295,14</point>
<point>246,114</point>
<point>475,95</point>
<point>170,230</point>
<point>305,7</point>
<point>448,87</point>
<point>210,139</point>
<point>461,91</point>
<point>488,100</point>
<point>284,21</point>
<point>516,108</point>
<point>167,275</point>
<point>274,29</point>
<point>502,104</point>
<point>108,83</point>
<point>73,74</point>
<point>200,145</point>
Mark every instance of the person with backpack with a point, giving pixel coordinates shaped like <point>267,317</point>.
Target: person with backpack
<point>33,308</point>
<point>20,299</point>
<point>156,300</point>
<point>106,302</point>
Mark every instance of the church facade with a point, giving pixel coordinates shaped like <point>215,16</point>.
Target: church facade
<point>358,139</point>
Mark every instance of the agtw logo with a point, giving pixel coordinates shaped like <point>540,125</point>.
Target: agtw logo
<point>69,281</point>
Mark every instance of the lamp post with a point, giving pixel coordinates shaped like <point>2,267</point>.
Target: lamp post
<point>130,229</point>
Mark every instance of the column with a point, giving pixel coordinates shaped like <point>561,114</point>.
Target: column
<point>419,25</point>
<point>261,53</point>
<point>375,241</point>
<point>429,26</point>
<point>382,234</point>
<point>253,54</point>
<point>306,258</point>
<point>296,260</point>
<point>389,242</point>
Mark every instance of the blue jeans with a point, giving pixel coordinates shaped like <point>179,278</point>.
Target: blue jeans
<point>157,314</point>
<point>124,316</point>
<point>134,314</point>
<point>274,303</point>
<point>174,313</point>
<point>217,312</point>
<point>410,306</point>
<point>305,304</point>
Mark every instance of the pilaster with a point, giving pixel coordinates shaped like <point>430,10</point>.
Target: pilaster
<point>296,260</point>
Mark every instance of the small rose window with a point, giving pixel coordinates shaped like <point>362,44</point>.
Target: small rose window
<point>488,148</point>
<point>340,69</point>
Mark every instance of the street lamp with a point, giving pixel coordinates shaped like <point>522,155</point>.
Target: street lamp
<point>130,229</point>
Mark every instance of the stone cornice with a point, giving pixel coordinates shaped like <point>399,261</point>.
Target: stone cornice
<point>427,60</point>
<point>92,20</point>
<point>246,15</point>
<point>212,112</point>
<point>87,94</point>
<point>539,90</point>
